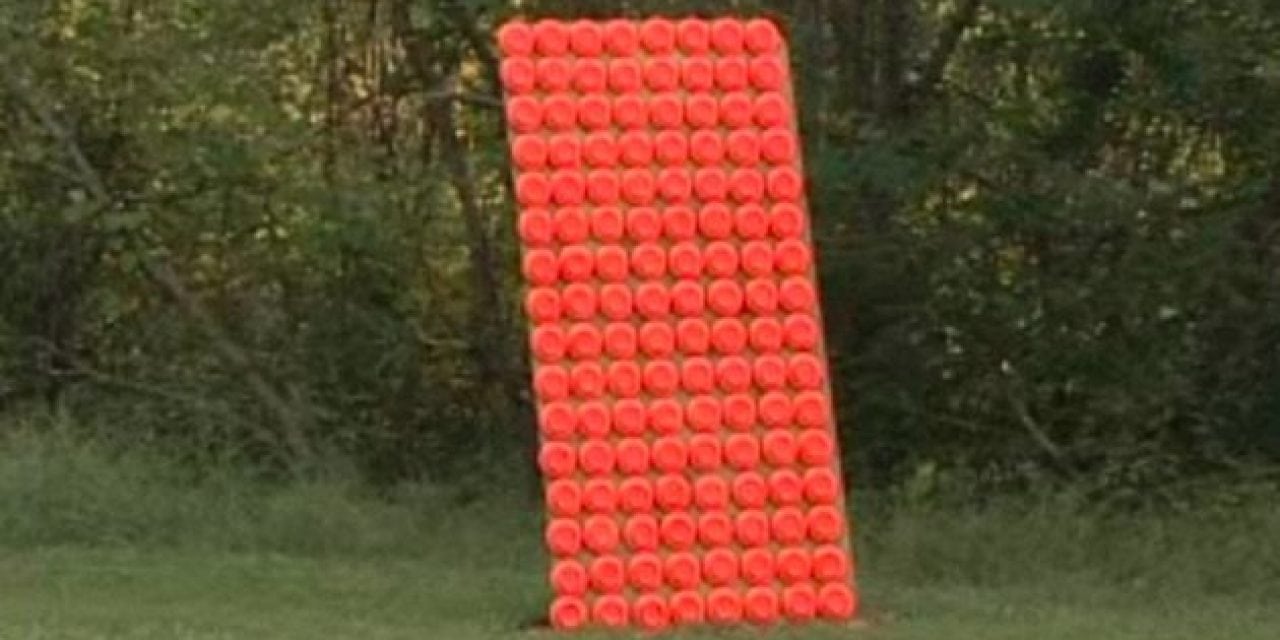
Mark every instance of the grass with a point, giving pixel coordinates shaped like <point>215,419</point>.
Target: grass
<point>98,543</point>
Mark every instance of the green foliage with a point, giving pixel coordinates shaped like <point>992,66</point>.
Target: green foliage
<point>145,548</point>
<point>268,230</point>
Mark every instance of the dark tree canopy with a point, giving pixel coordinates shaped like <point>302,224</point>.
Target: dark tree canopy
<point>1049,232</point>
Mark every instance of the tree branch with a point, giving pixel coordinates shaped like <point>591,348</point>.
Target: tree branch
<point>935,66</point>
<point>164,275</point>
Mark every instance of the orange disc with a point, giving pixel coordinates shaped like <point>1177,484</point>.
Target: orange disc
<point>675,184</point>
<point>760,605</point>
<point>600,534</point>
<point>728,336</point>
<point>551,383</point>
<point>516,39</point>
<point>816,448</point>
<point>751,528</point>
<point>698,75</point>
<point>641,533</point>
<point>757,566</point>
<point>650,613</point>
<point>825,524</point>
<point>624,380</point>
<point>625,75</point>
<point>750,490</point>
<point>724,606</point>
<point>673,492</point>
<point>584,341</point>
<point>649,261</point>
<point>737,110</point>
<point>693,337</point>
<point>742,451</point>
<point>620,340</point>
<point>557,460</point>
<point>686,607</point>
<point>703,413</point>
<point>586,38</point>
<point>821,486</point>
<point>621,37</point>
<point>569,578</point>
<point>635,149</point>
<point>693,36</point>
<point>786,220</point>
<point>594,420</point>
<point>665,415</point>
<point>705,452</point>
<point>657,339</point>
<point>569,613</point>
<point>682,570</point>
<point>811,410</point>
<point>611,611</point>
<point>719,260</point>
<point>669,454</point>
<point>711,492</point>
<point>767,73</point>
<point>715,529</point>
<point>587,379</point>
<point>600,150</point>
<point>837,601</point>
<point>775,409</point>
<point>661,73</point>
<point>536,228</point>
<point>635,495</point>
<point>733,374</point>
<point>780,448</point>
<point>600,496</point>
<point>792,565</point>
<point>578,301</point>
<point>564,537</point>
<point>769,372</point>
<point>697,375</point>
<point>551,37</point>
<point>666,111</point>
<point>788,525</point>
<point>800,602</point>
<point>720,566</point>
<point>518,76</point>
<point>596,458</point>
<point>761,296</point>
<point>739,411</point>
<point>557,420</point>
<point>644,572</point>
<point>830,564</point>
<point>612,263</point>
<point>653,301</point>
<point>786,487</point>
<point>679,532</point>
<point>572,225</point>
<point>725,297</point>
<point>658,35</point>
<point>563,498</point>
<point>688,298</point>
<point>629,416</point>
<point>632,458</point>
<point>671,147</point>
<point>661,377</point>
<point>548,343</point>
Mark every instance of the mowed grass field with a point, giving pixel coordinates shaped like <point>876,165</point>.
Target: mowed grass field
<point>192,593</point>
<point>97,546</point>
<point>162,595</point>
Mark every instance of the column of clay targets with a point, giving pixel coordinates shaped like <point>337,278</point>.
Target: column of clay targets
<point>686,429</point>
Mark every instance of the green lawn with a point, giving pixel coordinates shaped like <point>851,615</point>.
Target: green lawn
<point>76,593</point>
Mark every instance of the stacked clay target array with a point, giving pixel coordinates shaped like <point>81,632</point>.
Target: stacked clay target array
<point>684,410</point>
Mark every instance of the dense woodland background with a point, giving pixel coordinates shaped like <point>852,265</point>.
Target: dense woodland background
<point>280,232</point>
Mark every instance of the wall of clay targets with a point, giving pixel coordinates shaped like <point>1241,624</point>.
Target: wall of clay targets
<point>687,439</point>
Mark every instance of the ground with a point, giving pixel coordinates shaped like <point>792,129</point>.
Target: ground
<point>75,593</point>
